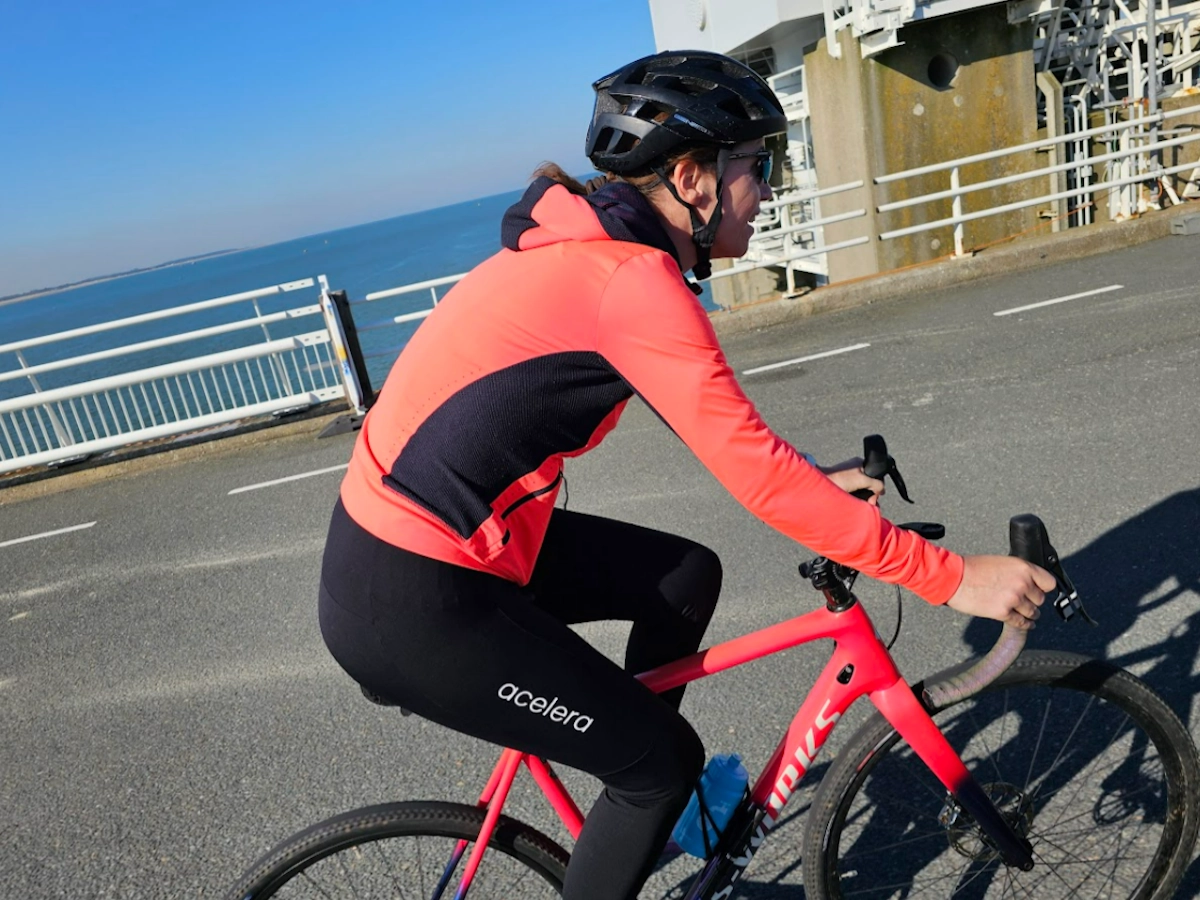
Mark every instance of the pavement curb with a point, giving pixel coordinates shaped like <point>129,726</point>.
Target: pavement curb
<point>1016,256</point>
<point>150,457</point>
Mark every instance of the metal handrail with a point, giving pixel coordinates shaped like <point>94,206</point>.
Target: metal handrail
<point>1038,144</point>
<point>76,420</point>
<point>1025,176</point>
<point>780,261</point>
<point>409,288</point>
<point>212,360</point>
<point>160,314</point>
<point>158,342</point>
<point>801,196</point>
<point>1024,204</point>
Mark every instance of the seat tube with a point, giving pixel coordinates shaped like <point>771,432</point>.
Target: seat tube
<point>509,763</point>
<point>901,708</point>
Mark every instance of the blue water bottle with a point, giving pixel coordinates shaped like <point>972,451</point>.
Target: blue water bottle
<point>718,793</point>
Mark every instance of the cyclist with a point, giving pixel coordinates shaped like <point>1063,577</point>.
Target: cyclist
<point>450,578</point>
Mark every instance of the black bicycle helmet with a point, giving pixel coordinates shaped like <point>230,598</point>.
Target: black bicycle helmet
<point>654,105</point>
<point>648,108</point>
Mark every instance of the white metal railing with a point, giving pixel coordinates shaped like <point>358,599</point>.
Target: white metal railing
<point>789,233</point>
<point>96,414</point>
<point>1136,151</point>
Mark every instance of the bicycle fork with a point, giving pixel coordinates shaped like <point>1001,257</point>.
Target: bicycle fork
<point>910,718</point>
<point>752,821</point>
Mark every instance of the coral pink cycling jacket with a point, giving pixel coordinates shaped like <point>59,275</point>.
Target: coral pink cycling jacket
<point>532,357</point>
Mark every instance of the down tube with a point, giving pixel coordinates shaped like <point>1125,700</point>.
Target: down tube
<point>901,708</point>
<point>827,702</point>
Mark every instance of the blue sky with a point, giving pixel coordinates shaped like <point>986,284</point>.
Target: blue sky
<point>137,132</point>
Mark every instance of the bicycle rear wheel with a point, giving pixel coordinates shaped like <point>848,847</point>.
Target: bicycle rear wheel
<point>1082,758</point>
<point>401,850</point>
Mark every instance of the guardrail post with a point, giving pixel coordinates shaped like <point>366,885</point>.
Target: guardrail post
<point>1052,91</point>
<point>63,434</point>
<point>359,393</point>
<point>785,222</point>
<point>957,210</point>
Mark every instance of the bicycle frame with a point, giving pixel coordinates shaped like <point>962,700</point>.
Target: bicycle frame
<point>859,666</point>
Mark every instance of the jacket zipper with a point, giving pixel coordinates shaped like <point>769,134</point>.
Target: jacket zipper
<point>523,500</point>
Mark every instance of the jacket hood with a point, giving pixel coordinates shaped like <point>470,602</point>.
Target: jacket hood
<point>548,213</point>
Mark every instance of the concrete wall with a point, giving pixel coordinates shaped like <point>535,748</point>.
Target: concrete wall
<point>890,113</point>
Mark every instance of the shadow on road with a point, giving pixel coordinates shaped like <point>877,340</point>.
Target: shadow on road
<point>1148,565</point>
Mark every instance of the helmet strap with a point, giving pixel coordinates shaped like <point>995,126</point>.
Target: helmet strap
<point>704,234</point>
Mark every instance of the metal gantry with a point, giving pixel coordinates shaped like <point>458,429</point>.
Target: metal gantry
<point>1101,82</point>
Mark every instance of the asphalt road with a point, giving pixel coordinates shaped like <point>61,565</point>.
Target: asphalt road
<point>169,710</point>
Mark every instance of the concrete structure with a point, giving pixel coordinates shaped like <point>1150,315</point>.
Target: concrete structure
<point>958,86</point>
<point>877,87</point>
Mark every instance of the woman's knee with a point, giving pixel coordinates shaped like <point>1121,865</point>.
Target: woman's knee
<point>666,773</point>
<point>699,584</point>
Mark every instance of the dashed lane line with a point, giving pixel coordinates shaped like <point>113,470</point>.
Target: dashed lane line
<point>802,359</point>
<point>46,534</point>
<point>266,484</point>
<point>1018,309</point>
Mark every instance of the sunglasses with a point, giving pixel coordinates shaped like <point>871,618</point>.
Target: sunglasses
<point>763,168</point>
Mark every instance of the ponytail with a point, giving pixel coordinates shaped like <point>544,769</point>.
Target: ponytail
<point>554,172</point>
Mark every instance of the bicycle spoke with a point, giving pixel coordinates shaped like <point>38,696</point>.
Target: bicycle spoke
<point>981,731</point>
<point>420,868</point>
<point>324,893</point>
<point>1037,747</point>
<point>1083,781</point>
<point>875,849</point>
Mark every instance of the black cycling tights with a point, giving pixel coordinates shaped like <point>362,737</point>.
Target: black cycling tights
<point>482,655</point>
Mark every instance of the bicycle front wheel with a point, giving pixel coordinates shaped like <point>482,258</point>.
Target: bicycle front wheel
<point>1081,757</point>
<point>402,850</point>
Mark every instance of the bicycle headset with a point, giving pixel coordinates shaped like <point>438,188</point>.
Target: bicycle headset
<point>660,103</point>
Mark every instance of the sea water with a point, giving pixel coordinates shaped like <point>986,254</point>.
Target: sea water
<point>359,260</point>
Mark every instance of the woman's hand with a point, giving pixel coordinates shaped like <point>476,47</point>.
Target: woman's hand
<point>849,476</point>
<point>1003,588</point>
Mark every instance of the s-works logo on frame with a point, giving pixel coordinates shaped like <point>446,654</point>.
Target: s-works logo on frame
<point>540,706</point>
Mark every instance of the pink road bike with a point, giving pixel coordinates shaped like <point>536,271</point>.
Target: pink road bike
<point>1043,774</point>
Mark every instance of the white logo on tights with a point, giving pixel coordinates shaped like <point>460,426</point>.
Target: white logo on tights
<point>551,709</point>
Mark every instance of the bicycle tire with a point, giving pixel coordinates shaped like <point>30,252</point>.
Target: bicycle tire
<point>1064,709</point>
<point>356,853</point>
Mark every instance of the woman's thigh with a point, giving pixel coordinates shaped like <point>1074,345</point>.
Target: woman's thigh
<point>592,568</point>
<point>473,653</point>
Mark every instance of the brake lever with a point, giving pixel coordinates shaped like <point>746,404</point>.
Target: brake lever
<point>878,463</point>
<point>1030,541</point>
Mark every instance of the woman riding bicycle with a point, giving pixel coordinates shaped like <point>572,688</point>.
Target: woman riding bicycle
<point>450,578</point>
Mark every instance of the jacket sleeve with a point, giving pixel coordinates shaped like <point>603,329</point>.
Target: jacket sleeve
<point>652,330</point>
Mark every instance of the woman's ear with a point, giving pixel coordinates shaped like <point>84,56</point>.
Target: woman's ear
<point>693,182</point>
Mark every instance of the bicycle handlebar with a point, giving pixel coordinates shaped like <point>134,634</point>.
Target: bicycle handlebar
<point>1026,535</point>
<point>1027,540</point>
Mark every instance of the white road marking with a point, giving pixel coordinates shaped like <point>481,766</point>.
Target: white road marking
<point>792,362</point>
<point>18,616</point>
<point>265,484</point>
<point>1103,290</point>
<point>46,534</point>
